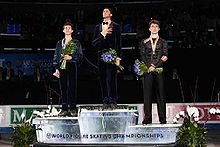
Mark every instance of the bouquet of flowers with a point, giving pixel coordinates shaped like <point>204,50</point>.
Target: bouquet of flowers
<point>23,133</point>
<point>110,57</point>
<point>140,68</point>
<point>50,112</point>
<point>68,50</point>
<point>190,134</point>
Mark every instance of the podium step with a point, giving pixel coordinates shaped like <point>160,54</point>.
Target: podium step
<point>152,134</point>
<point>57,130</point>
<point>95,127</point>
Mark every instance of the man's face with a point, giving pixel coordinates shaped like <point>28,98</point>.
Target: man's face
<point>67,29</point>
<point>154,28</point>
<point>106,13</point>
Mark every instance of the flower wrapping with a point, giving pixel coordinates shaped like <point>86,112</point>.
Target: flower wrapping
<point>140,68</point>
<point>110,57</point>
<point>68,50</point>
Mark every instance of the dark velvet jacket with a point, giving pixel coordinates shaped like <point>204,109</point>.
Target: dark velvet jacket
<point>146,52</point>
<point>76,56</point>
<point>110,41</point>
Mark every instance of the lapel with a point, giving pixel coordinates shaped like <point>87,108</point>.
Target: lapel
<point>100,27</point>
<point>111,25</point>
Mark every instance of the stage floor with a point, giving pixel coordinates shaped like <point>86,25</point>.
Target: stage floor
<point>213,140</point>
<point>8,144</point>
<point>100,145</point>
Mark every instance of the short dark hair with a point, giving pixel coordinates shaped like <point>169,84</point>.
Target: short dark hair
<point>68,24</point>
<point>154,21</point>
<point>110,9</point>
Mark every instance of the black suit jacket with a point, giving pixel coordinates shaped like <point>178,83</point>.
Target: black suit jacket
<point>147,55</point>
<point>110,41</point>
<point>76,56</point>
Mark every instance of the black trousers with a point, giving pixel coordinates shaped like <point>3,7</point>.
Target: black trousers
<point>68,86</point>
<point>153,82</point>
<point>108,82</point>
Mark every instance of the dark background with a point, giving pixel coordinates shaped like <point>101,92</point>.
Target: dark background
<point>192,29</point>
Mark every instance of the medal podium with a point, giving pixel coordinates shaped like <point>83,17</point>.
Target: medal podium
<point>97,127</point>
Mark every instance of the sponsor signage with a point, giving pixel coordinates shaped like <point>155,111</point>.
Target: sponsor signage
<point>12,114</point>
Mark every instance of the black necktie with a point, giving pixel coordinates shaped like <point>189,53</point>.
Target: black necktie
<point>105,23</point>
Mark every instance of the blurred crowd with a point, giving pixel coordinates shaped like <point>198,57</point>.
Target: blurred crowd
<point>190,27</point>
<point>188,23</point>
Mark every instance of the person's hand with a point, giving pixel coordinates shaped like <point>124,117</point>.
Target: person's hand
<point>57,73</point>
<point>67,57</point>
<point>106,31</point>
<point>117,61</point>
<point>146,40</point>
<point>164,58</point>
<point>151,68</point>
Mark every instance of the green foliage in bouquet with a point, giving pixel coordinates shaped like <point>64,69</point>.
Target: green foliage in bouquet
<point>68,50</point>
<point>191,134</point>
<point>110,57</point>
<point>140,68</point>
<point>23,134</point>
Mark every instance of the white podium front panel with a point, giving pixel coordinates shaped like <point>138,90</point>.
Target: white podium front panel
<point>57,130</point>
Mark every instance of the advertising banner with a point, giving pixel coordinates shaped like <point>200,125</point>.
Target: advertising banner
<point>27,62</point>
<point>12,114</point>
